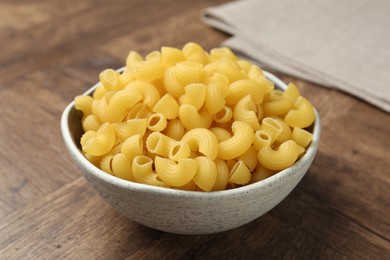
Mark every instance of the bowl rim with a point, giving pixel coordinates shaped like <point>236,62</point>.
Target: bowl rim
<point>82,161</point>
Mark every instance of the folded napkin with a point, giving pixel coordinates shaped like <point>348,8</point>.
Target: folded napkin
<point>340,44</point>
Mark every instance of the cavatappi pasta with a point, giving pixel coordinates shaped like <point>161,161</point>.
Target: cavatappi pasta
<point>193,120</point>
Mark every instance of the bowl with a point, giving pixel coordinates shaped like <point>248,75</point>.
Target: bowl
<point>187,212</point>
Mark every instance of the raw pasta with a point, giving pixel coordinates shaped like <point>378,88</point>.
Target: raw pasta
<point>167,106</point>
<point>206,175</point>
<point>193,120</point>
<point>241,140</point>
<point>195,95</point>
<point>142,170</point>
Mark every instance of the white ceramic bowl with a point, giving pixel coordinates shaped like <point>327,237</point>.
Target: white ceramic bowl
<point>187,212</point>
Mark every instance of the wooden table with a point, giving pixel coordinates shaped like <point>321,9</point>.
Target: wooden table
<point>51,51</point>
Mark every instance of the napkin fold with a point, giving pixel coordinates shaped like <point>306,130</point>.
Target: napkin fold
<point>338,44</point>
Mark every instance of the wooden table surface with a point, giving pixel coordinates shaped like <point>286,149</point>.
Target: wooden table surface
<point>51,51</point>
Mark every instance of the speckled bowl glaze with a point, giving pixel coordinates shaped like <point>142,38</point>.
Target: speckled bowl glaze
<point>187,212</point>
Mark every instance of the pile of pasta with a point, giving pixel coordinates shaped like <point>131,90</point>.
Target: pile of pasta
<point>193,120</point>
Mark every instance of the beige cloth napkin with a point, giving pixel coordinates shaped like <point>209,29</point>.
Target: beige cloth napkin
<point>340,44</point>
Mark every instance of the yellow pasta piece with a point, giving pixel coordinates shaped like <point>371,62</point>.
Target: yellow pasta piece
<point>273,127</point>
<point>278,107</point>
<point>191,118</point>
<point>132,147</point>
<point>86,136</point>
<point>167,106</point>
<point>142,169</point>
<point>216,77</point>
<point>231,70</point>
<point>126,77</point>
<point>99,91</point>
<point>221,133</point>
<point>157,122</point>
<point>245,111</point>
<point>120,104</point>
<point>175,173</point>
<point>131,127</point>
<point>132,59</point>
<point>105,163</point>
<point>153,55</point>
<point>222,53</point>
<point>108,95</point>
<point>179,151</point>
<point>302,115</point>
<point>275,94</point>
<point>159,144</point>
<point>171,56</point>
<point>101,142</point>
<point>283,157</point>
<point>210,70</point>
<point>188,72</point>
<point>207,57</point>
<point>100,110</point>
<point>195,95</point>
<point>261,139</point>
<point>222,175</point>
<point>149,70</point>
<point>224,115</point>
<point>215,97</point>
<point>260,113</point>
<point>244,65</point>
<point>159,84</point>
<point>240,174</point>
<point>202,140</point>
<point>171,83</point>
<point>254,72</point>
<point>249,158</point>
<point>116,149</point>
<point>139,111</point>
<point>261,173</point>
<point>84,104</point>
<point>91,122</point>
<point>175,129</point>
<point>206,175</point>
<point>286,130</point>
<point>121,167</point>
<point>110,79</point>
<point>194,52</point>
<point>291,92</point>
<point>242,88</point>
<point>240,142</point>
<point>148,91</point>
<point>301,137</point>
<point>265,84</point>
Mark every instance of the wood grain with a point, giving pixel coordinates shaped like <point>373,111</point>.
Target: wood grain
<point>53,50</point>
